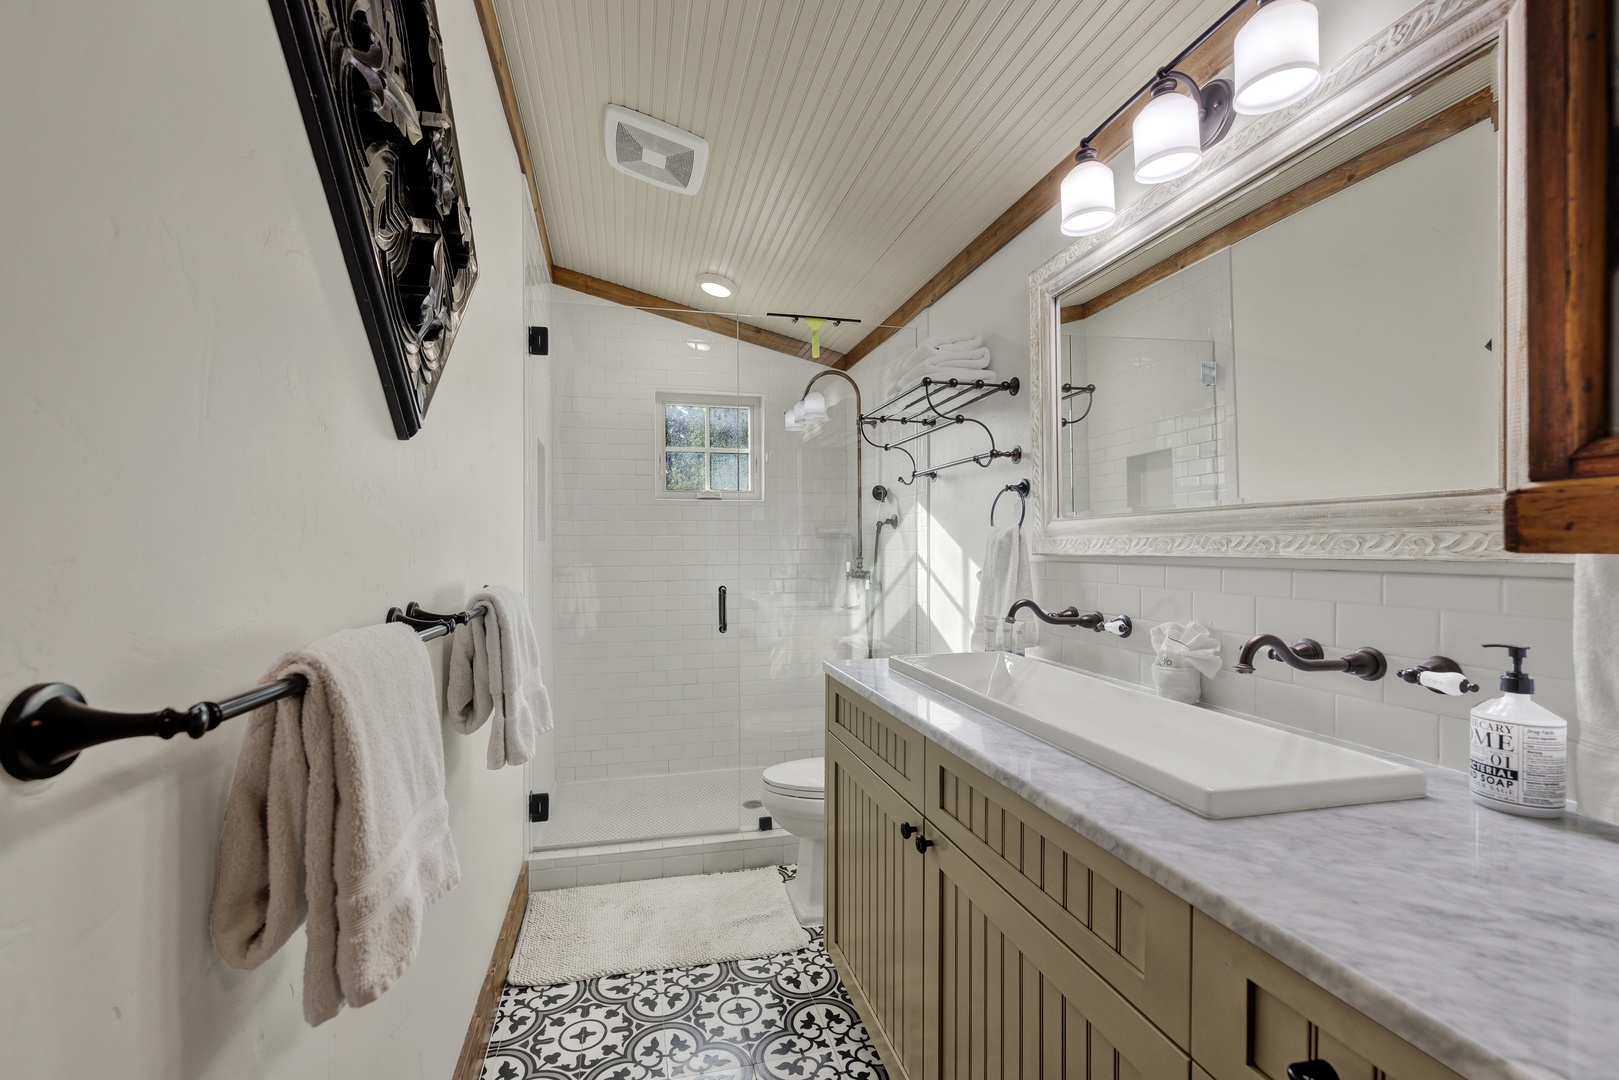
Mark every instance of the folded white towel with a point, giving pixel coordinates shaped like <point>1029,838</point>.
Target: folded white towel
<point>1186,645</point>
<point>924,363</point>
<point>495,676</point>
<point>962,340</point>
<point>962,358</point>
<point>1596,685</point>
<point>1005,579</point>
<point>337,811</point>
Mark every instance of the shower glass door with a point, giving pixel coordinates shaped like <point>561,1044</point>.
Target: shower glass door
<point>671,477</point>
<point>653,458</point>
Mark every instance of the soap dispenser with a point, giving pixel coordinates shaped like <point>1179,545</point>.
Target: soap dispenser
<point>1518,749</point>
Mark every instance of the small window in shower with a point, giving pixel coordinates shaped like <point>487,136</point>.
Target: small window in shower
<point>707,447</point>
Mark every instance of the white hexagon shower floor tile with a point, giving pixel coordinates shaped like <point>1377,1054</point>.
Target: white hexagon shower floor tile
<point>783,1017</point>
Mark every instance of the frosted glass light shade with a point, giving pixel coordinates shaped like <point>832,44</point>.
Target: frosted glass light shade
<point>1278,56</point>
<point>795,422</point>
<point>1168,138</point>
<point>814,406</point>
<point>1087,198</point>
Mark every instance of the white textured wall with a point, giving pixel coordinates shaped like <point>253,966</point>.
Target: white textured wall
<point>200,473</point>
<point>1409,609</point>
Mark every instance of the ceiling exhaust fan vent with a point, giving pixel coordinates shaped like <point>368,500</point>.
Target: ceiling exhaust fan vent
<point>651,150</point>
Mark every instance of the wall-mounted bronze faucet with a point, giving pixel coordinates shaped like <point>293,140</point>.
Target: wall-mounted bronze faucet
<point>1118,625</point>
<point>1305,654</point>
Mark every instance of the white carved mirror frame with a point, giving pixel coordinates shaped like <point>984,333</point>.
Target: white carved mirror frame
<point>1430,39</point>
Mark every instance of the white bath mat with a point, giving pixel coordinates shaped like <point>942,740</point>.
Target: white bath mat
<point>584,933</point>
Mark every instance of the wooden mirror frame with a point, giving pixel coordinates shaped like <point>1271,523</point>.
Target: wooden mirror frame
<point>1572,503</point>
<point>1427,41</point>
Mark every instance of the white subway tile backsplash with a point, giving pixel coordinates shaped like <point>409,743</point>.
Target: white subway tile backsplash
<point>1409,631</point>
<point>1230,612</point>
<point>1389,727</point>
<point>1448,592</point>
<point>1345,585</point>
<point>1441,613</point>
<point>1257,582</point>
<point>1547,598</point>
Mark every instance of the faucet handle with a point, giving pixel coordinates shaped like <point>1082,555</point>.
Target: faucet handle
<point>1440,674</point>
<point>1118,625</point>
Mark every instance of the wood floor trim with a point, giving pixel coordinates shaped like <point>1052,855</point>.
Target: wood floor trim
<point>469,1066</point>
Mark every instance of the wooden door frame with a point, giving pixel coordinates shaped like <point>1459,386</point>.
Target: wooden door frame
<point>1572,501</point>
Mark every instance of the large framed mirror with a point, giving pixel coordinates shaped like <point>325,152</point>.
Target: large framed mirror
<point>1314,344</point>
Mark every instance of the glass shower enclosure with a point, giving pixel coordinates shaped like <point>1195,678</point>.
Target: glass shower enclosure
<point>693,559</point>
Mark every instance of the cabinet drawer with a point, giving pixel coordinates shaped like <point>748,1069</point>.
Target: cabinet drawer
<point>1134,932</point>
<point>1012,1003</point>
<point>888,748</point>
<point>1252,1016</point>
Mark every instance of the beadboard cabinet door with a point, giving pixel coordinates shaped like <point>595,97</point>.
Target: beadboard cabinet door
<point>1006,1000</point>
<point>874,905</point>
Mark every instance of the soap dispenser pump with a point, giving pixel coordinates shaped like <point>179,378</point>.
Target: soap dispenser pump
<point>1518,749</point>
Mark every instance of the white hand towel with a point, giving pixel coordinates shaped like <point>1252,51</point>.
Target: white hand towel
<point>1186,645</point>
<point>1005,579</point>
<point>1596,685</point>
<point>495,676</point>
<point>337,812</point>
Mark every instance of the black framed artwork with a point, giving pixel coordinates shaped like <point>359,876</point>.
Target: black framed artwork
<point>370,80</point>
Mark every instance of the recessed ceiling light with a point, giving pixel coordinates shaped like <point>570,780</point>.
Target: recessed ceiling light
<point>714,285</point>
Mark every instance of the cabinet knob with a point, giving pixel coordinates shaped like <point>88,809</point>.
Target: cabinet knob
<point>907,830</point>
<point>1311,1070</point>
<point>922,845</point>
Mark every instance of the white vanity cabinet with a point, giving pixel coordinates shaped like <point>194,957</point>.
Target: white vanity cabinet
<point>981,939</point>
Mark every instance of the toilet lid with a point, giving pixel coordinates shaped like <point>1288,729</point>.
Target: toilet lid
<point>805,777</point>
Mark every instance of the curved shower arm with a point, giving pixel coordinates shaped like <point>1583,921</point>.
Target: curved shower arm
<point>859,461</point>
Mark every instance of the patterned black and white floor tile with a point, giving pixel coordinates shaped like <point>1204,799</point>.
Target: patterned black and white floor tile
<point>783,1017</point>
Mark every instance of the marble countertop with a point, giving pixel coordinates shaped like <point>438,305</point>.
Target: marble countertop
<point>1489,941</point>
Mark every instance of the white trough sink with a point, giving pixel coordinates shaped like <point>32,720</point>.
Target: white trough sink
<point>1213,764</point>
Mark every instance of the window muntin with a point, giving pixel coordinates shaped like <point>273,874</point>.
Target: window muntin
<point>708,447</point>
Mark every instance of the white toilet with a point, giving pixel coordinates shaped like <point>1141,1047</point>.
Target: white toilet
<point>795,795</point>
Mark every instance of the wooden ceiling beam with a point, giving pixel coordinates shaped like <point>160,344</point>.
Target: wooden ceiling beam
<point>713,322</point>
<point>514,119</point>
<point>1211,57</point>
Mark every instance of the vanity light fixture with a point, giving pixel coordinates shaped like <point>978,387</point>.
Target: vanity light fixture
<point>1277,55</point>
<point>1087,195</point>
<point>1173,129</point>
<point>717,286</point>
<point>795,417</point>
<point>813,406</point>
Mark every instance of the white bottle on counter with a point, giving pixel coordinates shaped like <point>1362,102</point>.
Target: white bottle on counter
<point>1518,749</point>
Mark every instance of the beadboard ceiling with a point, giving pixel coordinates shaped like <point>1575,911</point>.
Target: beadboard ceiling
<point>856,145</point>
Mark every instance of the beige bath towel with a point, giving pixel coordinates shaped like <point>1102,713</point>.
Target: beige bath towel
<point>337,811</point>
<point>495,677</point>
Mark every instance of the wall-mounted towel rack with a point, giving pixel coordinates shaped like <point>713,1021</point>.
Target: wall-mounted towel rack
<point>48,725</point>
<point>1021,489</point>
<point>924,405</point>
<point>1069,390</point>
